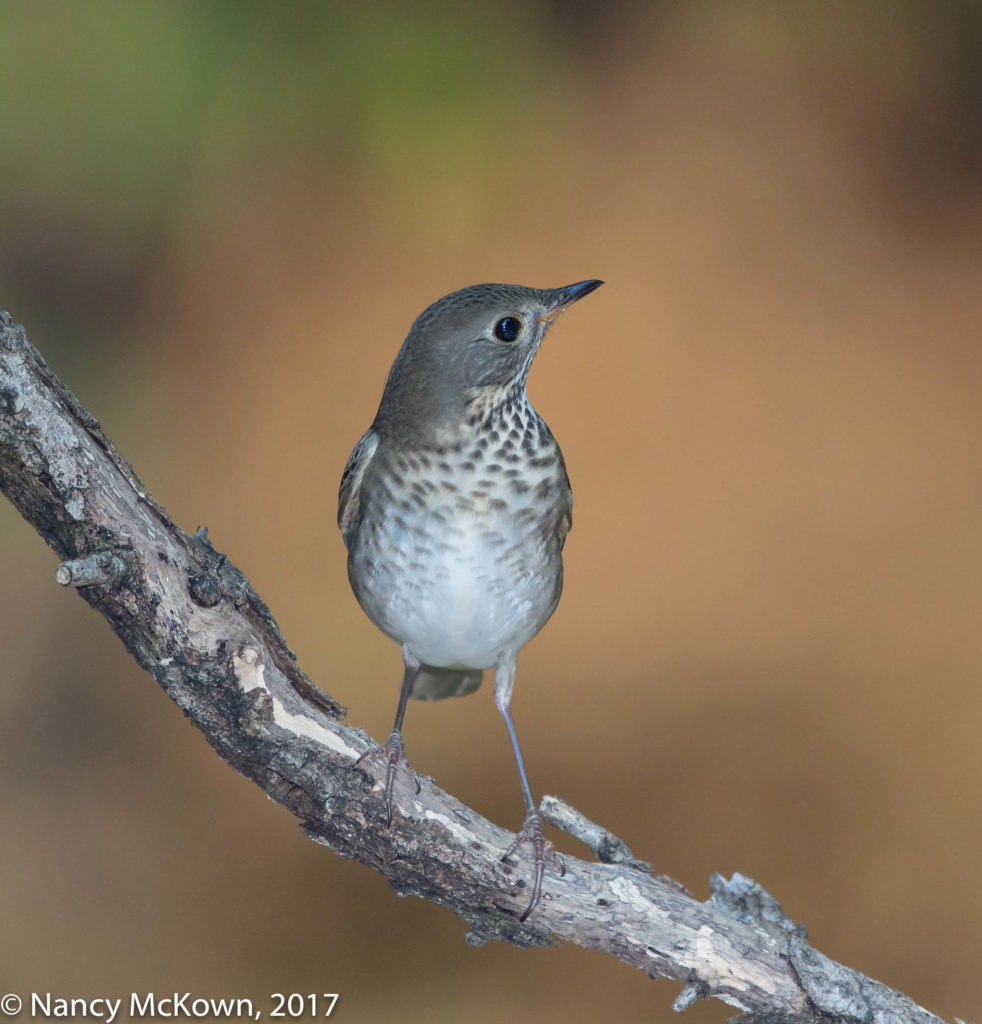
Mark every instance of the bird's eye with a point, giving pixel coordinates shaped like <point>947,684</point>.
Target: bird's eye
<point>508,328</point>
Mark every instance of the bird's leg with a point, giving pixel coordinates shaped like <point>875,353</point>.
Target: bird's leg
<point>531,832</point>
<point>393,746</point>
<point>393,753</point>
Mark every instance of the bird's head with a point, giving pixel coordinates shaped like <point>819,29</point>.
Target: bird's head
<point>474,346</point>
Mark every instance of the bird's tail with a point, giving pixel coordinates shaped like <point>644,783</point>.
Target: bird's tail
<point>432,683</point>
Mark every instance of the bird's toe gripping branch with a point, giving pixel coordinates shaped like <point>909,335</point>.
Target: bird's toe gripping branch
<point>392,761</point>
<point>542,853</point>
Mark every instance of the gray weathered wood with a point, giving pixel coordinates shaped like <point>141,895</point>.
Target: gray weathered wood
<point>193,621</point>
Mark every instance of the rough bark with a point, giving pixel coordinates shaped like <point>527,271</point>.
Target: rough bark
<point>193,621</point>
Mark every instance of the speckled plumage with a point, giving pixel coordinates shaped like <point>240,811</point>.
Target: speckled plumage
<point>455,504</point>
<point>456,551</point>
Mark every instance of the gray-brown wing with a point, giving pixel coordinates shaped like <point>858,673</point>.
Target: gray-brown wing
<point>565,515</point>
<point>349,493</point>
<point>566,519</point>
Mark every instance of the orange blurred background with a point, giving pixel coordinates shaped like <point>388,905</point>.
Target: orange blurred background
<point>218,223</point>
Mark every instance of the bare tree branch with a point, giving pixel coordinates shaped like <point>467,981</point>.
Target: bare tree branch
<point>193,621</point>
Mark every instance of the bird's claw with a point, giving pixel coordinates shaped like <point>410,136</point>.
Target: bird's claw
<point>391,757</point>
<point>542,851</point>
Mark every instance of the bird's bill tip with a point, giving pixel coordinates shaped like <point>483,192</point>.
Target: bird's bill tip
<point>570,294</point>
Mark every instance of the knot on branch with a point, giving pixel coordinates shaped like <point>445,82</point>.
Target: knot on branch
<point>101,568</point>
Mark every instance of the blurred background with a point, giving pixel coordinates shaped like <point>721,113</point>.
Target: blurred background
<point>218,222</point>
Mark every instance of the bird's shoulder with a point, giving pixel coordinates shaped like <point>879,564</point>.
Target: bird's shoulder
<point>349,493</point>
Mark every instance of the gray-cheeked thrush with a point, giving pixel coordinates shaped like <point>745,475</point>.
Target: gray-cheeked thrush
<point>455,506</point>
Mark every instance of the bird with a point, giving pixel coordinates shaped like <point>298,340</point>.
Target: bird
<point>454,507</point>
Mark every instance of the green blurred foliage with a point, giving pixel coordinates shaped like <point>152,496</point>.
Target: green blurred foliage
<point>108,103</point>
<point>112,111</point>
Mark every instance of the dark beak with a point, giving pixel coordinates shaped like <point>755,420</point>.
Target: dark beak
<point>567,296</point>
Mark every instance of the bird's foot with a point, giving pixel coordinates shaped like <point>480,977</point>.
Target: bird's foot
<point>390,759</point>
<point>542,852</point>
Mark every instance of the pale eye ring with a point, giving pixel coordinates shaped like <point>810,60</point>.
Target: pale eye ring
<point>508,328</point>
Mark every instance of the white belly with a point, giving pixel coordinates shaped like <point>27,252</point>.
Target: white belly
<point>459,589</point>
